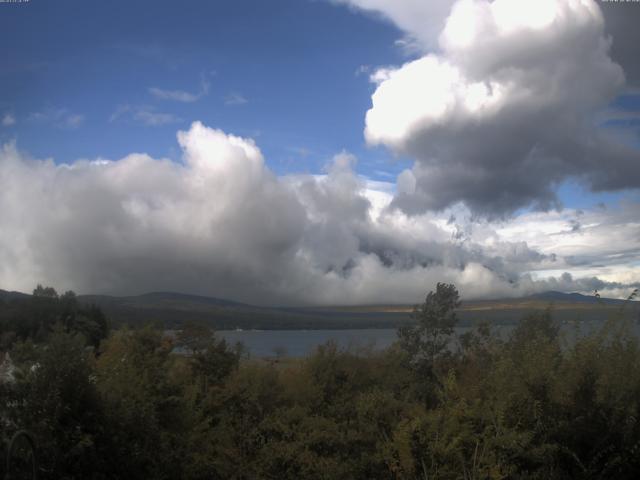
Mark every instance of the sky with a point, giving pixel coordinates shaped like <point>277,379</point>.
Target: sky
<point>320,152</point>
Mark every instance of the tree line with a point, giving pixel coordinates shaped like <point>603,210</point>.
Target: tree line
<point>435,405</point>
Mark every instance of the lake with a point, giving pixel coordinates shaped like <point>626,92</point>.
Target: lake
<point>299,343</point>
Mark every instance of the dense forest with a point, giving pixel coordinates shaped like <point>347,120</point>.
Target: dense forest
<point>121,404</point>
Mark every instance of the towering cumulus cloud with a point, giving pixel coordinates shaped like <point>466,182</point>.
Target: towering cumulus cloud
<point>221,223</point>
<point>505,111</point>
<point>217,222</point>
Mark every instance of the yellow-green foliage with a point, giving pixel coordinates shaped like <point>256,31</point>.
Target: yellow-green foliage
<point>531,406</point>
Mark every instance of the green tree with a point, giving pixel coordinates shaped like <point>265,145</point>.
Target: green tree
<point>435,320</point>
<point>144,409</point>
<point>45,292</point>
<point>55,398</point>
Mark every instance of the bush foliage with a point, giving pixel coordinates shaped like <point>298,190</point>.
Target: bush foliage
<point>433,406</point>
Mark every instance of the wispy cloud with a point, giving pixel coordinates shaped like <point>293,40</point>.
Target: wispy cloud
<point>362,70</point>
<point>385,174</point>
<point>182,95</point>
<point>300,151</point>
<point>8,120</point>
<point>177,95</point>
<point>144,115</point>
<point>58,117</point>
<point>235,98</point>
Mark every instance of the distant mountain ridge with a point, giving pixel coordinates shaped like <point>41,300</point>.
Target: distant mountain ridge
<point>165,296</point>
<point>171,309</point>
<point>550,296</point>
<point>7,295</point>
<point>555,296</point>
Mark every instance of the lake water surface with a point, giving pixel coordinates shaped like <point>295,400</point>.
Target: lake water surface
<point>299,343</point>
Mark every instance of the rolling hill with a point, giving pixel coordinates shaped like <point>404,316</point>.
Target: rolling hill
<point>170,310</point>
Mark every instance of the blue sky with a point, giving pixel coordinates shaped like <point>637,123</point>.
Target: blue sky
<point>294,62</point>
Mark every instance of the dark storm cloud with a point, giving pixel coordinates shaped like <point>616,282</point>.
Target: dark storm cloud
<point>505,112</point>
<point>622,20</point>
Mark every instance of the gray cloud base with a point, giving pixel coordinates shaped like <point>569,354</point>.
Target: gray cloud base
<point>504,113</point>
<point>220,223</point>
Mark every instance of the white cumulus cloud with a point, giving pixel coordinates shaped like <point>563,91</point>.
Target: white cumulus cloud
<point>505,110</point>
<point>420,19</point>
<point>220,223</point>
